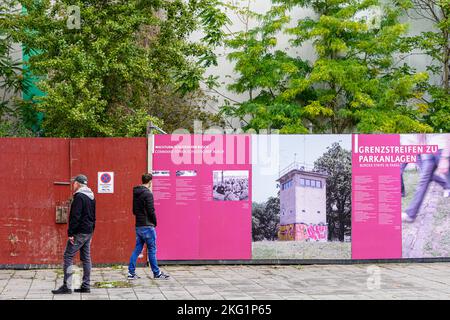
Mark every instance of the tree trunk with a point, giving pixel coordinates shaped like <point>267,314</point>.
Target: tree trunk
<point>341,230</point>
<point>341,222</point>
<point>446,75</point>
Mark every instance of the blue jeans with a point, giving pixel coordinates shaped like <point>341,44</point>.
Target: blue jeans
<point>145,235</point>
<point>430,163</point>
<point>402,170</point>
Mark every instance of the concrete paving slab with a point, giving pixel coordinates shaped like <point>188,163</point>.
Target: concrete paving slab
<point>397,281</point>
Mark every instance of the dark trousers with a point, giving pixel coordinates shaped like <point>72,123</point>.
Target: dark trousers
<point>82,243</point>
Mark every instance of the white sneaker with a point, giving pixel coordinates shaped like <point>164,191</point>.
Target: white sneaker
<point>447,193</point>
<point>406,218</point>
<point>132,276</point>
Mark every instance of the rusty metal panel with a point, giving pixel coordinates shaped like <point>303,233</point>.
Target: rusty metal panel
<point>28,169</point>
<point>114,236</point>
<point>62,212</point>
<point>35,180</point>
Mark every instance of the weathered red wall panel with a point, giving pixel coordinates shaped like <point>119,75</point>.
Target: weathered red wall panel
<point>29,169</point>
<point>114,236</point>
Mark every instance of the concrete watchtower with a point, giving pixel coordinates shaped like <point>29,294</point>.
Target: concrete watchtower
<point>303,199</point>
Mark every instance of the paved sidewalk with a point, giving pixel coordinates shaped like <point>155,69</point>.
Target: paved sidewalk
<point>396,281</point>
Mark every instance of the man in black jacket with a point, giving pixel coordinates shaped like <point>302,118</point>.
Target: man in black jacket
<point>144,211</point>
<point>81,229</point>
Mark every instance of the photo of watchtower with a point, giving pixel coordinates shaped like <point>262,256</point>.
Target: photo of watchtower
<point>303,215</point>
<point>301,197</point>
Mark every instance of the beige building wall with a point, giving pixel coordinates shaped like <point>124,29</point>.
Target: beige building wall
<point>301,204</point>
<point>311,205</point>
<point>287,206</point>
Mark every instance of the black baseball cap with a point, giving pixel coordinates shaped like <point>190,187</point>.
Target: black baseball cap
<point>81,178</point>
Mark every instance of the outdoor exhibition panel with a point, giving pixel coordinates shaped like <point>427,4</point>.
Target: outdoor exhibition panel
<point>233,197</point>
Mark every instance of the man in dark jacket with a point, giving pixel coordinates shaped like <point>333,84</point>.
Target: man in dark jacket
<point>81,229</point>
<point>144,211</point>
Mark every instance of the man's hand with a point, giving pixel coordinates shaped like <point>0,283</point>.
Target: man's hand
<point>72,240</point>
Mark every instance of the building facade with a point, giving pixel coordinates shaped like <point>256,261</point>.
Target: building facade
<point>303,199</point>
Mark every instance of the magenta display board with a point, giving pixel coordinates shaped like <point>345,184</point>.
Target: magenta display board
<point>202,190</point>
<point>376,219</point>
<point>401,196</point>
<point>241,197</point>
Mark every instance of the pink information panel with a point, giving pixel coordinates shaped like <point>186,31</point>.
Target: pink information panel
<point>376,194</point>
<point>347,192</point>
<point>202,190</point>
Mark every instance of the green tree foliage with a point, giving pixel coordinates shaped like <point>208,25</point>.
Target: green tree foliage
<point>337,163</point>
<point>180,112</point>
<point>264,74</point>
<point>106,78</point>
<point>266,219</point>
<point>353,84</point>
<point>436,44</point>
<point>12,83</point>
<point>438,108</point>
